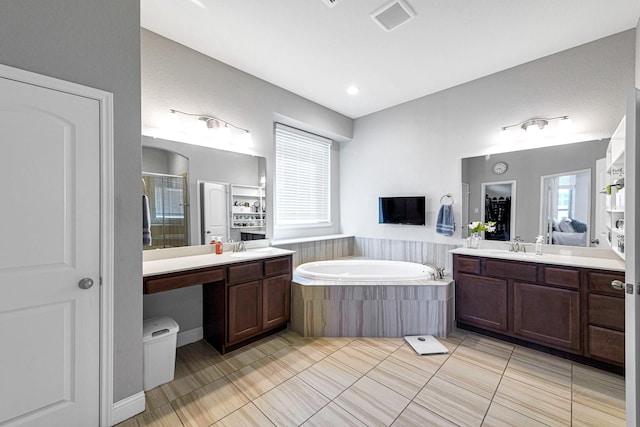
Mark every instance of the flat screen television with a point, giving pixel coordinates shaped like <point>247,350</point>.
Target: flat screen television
<point>401,210</point>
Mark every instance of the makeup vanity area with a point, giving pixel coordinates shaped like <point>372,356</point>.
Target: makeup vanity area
<point>230,299</point>
<point>246,295</point>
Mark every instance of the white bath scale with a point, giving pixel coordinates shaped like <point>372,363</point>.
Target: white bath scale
<point>426,344</point>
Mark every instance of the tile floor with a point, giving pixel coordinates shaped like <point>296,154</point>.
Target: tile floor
<point>288,380</point>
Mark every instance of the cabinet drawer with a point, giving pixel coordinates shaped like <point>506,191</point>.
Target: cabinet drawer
<point>512,270</point>
<point>601,282</point>
<point>161,284</point>
<point>606,311</point>
<point>468,264</point>
<point>606,344</point>
<point>244,272</point>
<point>277,266</point>
<point>567,277</point>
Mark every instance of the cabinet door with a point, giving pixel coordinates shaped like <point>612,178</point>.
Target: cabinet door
<point>546,315</point>
<point>245,310</point>
<point>276,297</point>
<point>481,301</point>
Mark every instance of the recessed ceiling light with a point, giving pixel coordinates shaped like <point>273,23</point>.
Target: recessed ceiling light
<point>353,90</point>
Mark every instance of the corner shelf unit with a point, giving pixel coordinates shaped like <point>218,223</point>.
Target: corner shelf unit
<point>248,207</point>
<point>615,192</point>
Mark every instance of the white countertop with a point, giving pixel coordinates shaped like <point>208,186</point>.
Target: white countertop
<point>201,256</point>
<point>602,262</point>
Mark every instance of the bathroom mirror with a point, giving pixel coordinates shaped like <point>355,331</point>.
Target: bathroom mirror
<point>204,164</point>
<point>527,167</point>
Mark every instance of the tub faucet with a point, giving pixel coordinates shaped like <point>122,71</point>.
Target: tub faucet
<point>438,272</point>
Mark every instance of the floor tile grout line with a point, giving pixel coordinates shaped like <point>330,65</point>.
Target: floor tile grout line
<point>498,386</point>
<point>387,355</point>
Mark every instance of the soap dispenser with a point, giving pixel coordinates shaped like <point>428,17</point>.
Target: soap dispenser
<point>539,242</point>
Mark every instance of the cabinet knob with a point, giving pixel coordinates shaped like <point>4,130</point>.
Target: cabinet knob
<point>617,284</point>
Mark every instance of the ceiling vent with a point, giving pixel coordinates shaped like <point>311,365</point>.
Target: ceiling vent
<point>392,15</point>
<point>331,3</point>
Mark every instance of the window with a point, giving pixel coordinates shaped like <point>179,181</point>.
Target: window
<point>566,189</point>
<point>302,182</point>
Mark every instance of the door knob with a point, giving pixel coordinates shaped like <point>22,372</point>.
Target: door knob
<point>617,284</point>
<point>85,283</point>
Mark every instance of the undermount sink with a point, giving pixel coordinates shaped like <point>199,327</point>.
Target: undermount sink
<point>250,254</point>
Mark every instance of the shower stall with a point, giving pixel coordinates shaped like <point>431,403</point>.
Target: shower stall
<point>168,209</point>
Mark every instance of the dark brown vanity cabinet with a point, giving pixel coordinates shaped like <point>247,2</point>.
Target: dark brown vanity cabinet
<point>571,309</point>
<point>258,299</point>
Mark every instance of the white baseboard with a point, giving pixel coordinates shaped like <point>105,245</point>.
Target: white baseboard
<point>190,336</point>
<point>127,408</point>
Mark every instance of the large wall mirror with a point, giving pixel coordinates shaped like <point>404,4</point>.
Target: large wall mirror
<point>208,192</point>
<point>552,189</point>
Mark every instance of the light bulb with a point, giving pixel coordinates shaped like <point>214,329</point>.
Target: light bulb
<point>246,140</point>
<point>173,120</point>
<point>224,133</point>
<point>565,125</point>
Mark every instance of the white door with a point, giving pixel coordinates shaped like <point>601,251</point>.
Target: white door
<point>600,236</point>
<point>215,213</point>
<point>632,259</point>
<point>50,215</point>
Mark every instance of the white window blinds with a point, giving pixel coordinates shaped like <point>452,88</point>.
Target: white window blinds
<point>302,195</point>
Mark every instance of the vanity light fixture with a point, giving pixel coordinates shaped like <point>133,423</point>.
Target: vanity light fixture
<point>222,126</point>
<point>535,125</point>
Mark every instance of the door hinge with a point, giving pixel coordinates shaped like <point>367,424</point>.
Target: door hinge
<point>100,281</point>
<point>630,288</point>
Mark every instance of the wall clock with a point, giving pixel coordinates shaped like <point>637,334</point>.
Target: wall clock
<point>500,168</point>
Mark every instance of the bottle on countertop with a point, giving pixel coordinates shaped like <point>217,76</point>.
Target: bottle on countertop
<point>218,246</point>
<point>539,243</point>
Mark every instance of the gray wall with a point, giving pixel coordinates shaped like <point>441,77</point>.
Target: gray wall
<point>526,167</point>
<point>176,77</point>
<point>416,147</point>
<point>96,43</point>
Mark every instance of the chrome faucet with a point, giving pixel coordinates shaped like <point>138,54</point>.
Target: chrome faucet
<point>240,247</point>
<point>438,272</point>
<point>517,245</point>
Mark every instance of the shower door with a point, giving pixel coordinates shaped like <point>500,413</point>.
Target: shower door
<point>168,209</point>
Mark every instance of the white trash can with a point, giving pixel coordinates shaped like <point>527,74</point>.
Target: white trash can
<point>159,339</point>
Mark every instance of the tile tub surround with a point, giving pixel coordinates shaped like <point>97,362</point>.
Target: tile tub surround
<point>371,309</point>
<point>322,248</point>
<point>405,250</point>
